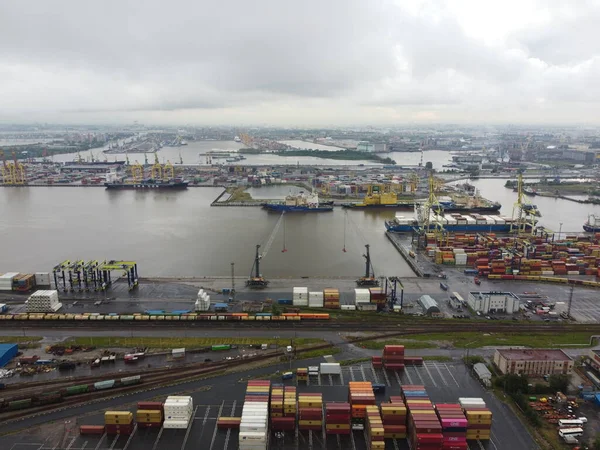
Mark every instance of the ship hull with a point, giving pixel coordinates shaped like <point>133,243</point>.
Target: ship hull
<point>148,186</point>
<point>285,208</point>
<point>591,229</point>
<point>410,206</point>
<point>490,228</point>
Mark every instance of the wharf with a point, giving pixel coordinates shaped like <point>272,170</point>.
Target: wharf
<point>412,262</point>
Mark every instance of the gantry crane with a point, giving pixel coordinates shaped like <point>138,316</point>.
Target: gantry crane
<point>7,176</point>
<point>137,172</point>
<point>168,171</point>
<point>256,280</point>
<point>524,214</point>
<point>157,170</point>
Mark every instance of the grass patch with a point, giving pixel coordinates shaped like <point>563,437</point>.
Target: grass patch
<point>477,339</point>
<point>239,195</point>
<point>351,362</point>
<point>18,339</point>
<point>318,353</point>
<point>408,344</point>
<point>191,342</point>
<point>439,358</point>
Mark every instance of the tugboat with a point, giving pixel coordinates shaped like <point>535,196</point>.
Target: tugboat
<point>299,203</point>
<point>592,225</point>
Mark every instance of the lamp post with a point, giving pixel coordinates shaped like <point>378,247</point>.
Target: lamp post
<point>559,230</point>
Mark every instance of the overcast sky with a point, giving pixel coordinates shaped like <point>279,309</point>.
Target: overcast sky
<point>307,62</point>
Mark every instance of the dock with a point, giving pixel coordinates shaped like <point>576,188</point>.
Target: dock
<point>404,252</point>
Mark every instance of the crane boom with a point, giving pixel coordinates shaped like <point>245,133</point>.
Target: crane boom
<point>272,236</point>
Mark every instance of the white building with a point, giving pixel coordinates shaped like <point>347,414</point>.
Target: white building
<point>484,375</point>
<point>486,302</point>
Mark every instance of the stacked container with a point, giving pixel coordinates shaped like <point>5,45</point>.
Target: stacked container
<point>300,296</point>
<point>24,283</point>
<point>337,418</point>
<point>6,281</point>
<point>393,415</point>
<point>302,374</point>
<point>362,296</point>
<point>228,422</point>
<point>375,430</point>
<point>393,357</point>
<point>149,415</point>
<point>359,396</point>
<point>479,418</point>
<point>424,428</point>
<point>377,295</point>
<point>454,426</point>
<point>331,298</point>
<point>254,421</point>
<point>118,422</point>
<point>377,362</point>
<point>43,302</point>
<point>310,412</point>
<point>42,279</point>
<point>178,411</point>
<point>315,299</point>
<point>202,301</point>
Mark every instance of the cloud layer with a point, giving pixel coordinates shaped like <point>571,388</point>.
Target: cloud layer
<point>299,63</point>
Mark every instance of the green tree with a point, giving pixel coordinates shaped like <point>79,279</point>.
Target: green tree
<point>559,382</point>
<point>275,309</point>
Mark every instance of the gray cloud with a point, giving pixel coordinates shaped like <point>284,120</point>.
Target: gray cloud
<point>345,61</point>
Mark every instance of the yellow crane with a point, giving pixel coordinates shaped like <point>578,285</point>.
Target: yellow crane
<point>137,172</point>
<point>524,214</point>
<point>157,170</point>
<point>168,171</point>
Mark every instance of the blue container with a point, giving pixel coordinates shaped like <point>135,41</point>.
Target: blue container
<point>284,301</point>
<point>378,388</point>
<point>264,314</point>
<point>257,394</point>
<point>7,352</point>
<point>181,311</point>
<point>154,312</point>
<point>225,291</point>
<point>41,362</point>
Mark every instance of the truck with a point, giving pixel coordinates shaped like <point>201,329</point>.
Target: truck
<point>287,375</point>
<point>331,369</point>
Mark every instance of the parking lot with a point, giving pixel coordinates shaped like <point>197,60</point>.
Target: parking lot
<point>445,382</point>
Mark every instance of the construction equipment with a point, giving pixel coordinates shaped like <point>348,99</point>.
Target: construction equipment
<point>137,172</point>
<point>157,169</point>
<point>369,278</point>
<point>81,275</point>
<point>393,283</point>
<point>168,171</point>
<point>256,280</point>
<point>524,214</point>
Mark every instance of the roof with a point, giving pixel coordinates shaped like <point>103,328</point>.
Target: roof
<point>534,355</point>
<point>221,305</point>
<point>476,294</point>
<point>482,370</point>
<point>427,302</point>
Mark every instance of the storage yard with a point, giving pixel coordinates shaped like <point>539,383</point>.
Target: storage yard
<point>442,383</point>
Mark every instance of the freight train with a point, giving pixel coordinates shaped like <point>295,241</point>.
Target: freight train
<point>167,317</point>
<point>58,396</point>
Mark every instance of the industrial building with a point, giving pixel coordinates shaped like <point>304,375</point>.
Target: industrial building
<point>429,305</point>
<point>369,147</point>
<point>7,352</point>
<point>483,373</point>
<point>486,302</point>
<point>594,359</point>
<point>533,362</point>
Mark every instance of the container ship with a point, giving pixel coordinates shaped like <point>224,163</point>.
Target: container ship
<point>299,203</point>
<point>454,222</point>
<point>592,225</point>
<point>149,184</point>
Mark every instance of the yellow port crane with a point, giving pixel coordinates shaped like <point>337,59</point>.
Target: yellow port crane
<point>524,214</point>
<point>157,170</point>
<point>7,176</point>
<point>168,171</point>
<point>137,172</point>
<point>17,171</point>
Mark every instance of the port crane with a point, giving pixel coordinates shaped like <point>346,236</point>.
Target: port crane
<point>256,280</point>
<point>369,278</point>
<point>524,214</point>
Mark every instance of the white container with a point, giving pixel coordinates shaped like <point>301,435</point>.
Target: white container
<point>362,296</point>
<point>253,427</point>
<point>366,307</point>
<point>253,436</point>
<point>331,369</point>
<point>178,353</point>
<point>175,424</point>
<point>42,278</point>
<point>348,307</point>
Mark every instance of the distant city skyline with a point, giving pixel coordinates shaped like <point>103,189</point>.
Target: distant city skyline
<point>305,64</point>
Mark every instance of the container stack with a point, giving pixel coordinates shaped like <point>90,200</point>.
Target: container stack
<point>276,408</point>
<point>24,282</point>
<point>202,301</point>
<point>224,423</point>
<point>375,430</point>
<point>393,357</point>
<point>331,298</point>
<point>377,295</point>
<point>302,374</point>
<point>362,296</point>
<point>337,418</point>
<point>359,396</point>
<point>42,279</point>
<point>454,426</point>
<point>424,428</point>
<point>393,416</point>
<point>118,422</point>
<point>6,281</point>
<point>254,422</point>
<point>300,296</point>
<point>290,403</point>
<point>310,412</point>
<point>178,411</point>
<point>43,302</point>
<point>377,362</point>
<point>460,256</point>
<point>315,299</point>
<point>149,415</point>
<point>479,418</point>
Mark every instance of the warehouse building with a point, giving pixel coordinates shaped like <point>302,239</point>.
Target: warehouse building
<point>429,305</point>
<point>486,302</point>
<point>7,352</point>
<point>483,373</point>
<point>533,362</point>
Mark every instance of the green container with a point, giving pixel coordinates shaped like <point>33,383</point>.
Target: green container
<point>19,404</point>
<point>218,348</point>
<point>80,389</point>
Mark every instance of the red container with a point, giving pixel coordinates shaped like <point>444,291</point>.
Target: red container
<point>91,429</point>
<point>394,428</point>
<point>255,398</point>
<point>310,427</point>
<point>151,406</point>
<point>338,431</point>
<point>149,424</point>
<point>397,399</point>
<point>283,423</point>
<point>429,438</point>
<point>310,414</point>
<point>394,366</point>
<point>413,361</point>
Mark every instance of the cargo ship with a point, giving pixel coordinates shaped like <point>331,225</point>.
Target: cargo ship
<point>149,184</point>
<point>592,225</point>
<point>454,223</point>
<point>299,203</point>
